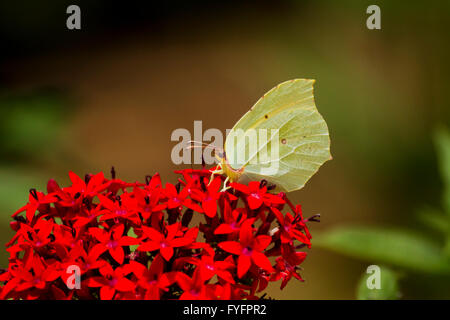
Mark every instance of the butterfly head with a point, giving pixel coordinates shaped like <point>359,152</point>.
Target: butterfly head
<point>225,167</point>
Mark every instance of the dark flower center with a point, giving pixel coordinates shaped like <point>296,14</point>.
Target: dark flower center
<point>164,244</point>
<point>112,244</point>
<point>113,282</point>
<point>247,251</point>
<point>121,212</point>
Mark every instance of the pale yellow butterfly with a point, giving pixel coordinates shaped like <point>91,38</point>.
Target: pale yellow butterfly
<point>292,139</point>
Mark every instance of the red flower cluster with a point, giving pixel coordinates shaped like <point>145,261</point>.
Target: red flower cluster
<point>134,240</point>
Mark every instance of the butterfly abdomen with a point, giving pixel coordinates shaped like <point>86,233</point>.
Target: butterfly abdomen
<point>232,174</point>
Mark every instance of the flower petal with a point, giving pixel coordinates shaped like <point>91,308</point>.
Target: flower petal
<point>152,233</point>
<point>231,246</point>
<point>117,231</point>
<point>244,263</point>
<point>117,254</point>
<point>210,207</point>
<point>262,261</point>
<point>149,246</point>
<point>278,215</point>
<point>107,293</point>
<point>128,241</point>
<point>184,281</point>
<point>77,182</point>
<point>240,187</point>
<point>246,232</point>
<point>166,253</point>
<point>223,229</point>
<point>124,285</point>
<point>254,201</point>
<point>262,242</point>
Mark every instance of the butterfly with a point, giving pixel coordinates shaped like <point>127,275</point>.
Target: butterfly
<point>282,139</point>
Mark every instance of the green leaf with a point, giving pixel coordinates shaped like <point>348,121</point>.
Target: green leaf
<point>388,285</point>
<point>434,219</point>
<point>131,233</point>
<point>15,184</point>
<point>442,143</point>
<point>447,247</point>
<point>29,124</point>
<point>396,247</point>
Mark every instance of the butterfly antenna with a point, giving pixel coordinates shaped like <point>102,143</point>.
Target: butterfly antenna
<point>197,144</point>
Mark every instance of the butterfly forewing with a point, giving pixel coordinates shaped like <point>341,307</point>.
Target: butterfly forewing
<point>292,139</point>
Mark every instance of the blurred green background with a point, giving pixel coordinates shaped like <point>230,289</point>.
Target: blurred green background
<point>112,93</point>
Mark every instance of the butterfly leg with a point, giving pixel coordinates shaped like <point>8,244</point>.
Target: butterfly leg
<point>217,171</point>
<point>225,188</point>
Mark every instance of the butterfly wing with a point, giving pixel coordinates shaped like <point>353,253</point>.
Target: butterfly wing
<point>296,140</point>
